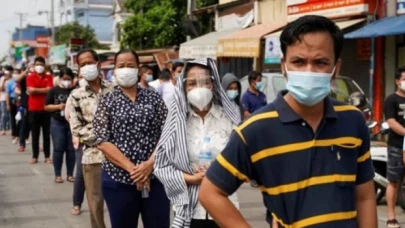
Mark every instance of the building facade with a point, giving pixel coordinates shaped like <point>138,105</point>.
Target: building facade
<point>95,13</point>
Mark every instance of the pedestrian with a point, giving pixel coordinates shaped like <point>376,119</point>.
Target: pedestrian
<point>201,116</point>
<point>21,90</point>
<point>310,154</point>
<point>5,112</point>
<point>394,111</point>
<point>12,105</point>
<point>164,76</point>
<point>38,85</point>
<point>254,99</point>
<point>127,134</point>
<point>84,101</point>
<point>60,130</point>
<point>146,76</point>
<point>233,88</point>
<point>166,89</point>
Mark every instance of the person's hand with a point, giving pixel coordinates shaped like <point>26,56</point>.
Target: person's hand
<point>8,108</point>
<point>140,173</point>
<point>274,224</point>
<point>62,106</point>
<point>140,185</point>
<point>75,141</point>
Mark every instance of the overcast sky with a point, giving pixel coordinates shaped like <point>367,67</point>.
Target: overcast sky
<point>9,20</point>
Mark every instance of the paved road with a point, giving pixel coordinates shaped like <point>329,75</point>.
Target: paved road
<point>30,199</point>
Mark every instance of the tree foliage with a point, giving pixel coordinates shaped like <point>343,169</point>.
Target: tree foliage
<point>64,33</point>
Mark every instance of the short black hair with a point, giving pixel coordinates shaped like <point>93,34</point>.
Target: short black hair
<point>39,59</point>
<point>308,24</point>
<point>144,68</point>
<point>253,76</point>
<point>177,64</point>
<point>123,51</point>
<point>92,52</point>
<point>9,68</point>
<point>399,72</point>
<point>67,71</point>
<point>165,74</point>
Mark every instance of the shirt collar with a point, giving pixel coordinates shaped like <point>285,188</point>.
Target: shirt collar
<point>104,84</point>
<point>287,114</point>
<point>215,111</point>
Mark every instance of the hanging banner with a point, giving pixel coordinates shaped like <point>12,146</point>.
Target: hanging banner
<point>57,55</point>
<point>400,7</point>
<point>273,54</point>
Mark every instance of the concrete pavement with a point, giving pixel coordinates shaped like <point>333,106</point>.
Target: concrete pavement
<point>30,199</point>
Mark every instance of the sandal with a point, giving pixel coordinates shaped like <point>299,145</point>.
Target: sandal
<point>34,161</point>
<point>21,149</point>
<point>76,210</point>
<point>48,161</point>
<point>70,179</point>
<point>392,223</point>
<point>58,180</point>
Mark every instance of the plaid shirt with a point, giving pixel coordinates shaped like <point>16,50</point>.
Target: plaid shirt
<point>83,104</point>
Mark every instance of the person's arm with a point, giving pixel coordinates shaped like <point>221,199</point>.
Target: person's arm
<point>22,75</point>
<point>8,107</point>
<point>102,131</point>
<point>390,114</point>
<point>245,105</point>
<point>225,175</point>
<point>67,109</point>
<point>17,90</point>
<point>50,105</point>
<point>31,86</point>
<point>365,192</point>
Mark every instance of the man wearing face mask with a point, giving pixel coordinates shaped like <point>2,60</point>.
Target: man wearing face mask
<point>394,111</point>
<point>38,85</point>
<point>146,76</point>
<point>166,89</point>
<point>253,99</point>
<point>310,154</point>
<point>83,103</point>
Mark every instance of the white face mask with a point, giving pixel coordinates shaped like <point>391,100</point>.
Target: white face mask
<point>39,69</point>
<point>89,72</point>
<point>66,84</point>
<point>200,97</point>
<point>126,77</point>
<point>7,72</point>
<point>402,86</point>
<point>15,76</point>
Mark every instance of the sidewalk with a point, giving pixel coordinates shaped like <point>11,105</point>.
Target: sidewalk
<point>30,199</point>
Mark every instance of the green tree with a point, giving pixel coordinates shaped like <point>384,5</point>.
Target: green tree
<point>154,23</point>
<point>65,32</point>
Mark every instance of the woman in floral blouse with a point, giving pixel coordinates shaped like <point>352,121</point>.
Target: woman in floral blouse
<point>128,124</point>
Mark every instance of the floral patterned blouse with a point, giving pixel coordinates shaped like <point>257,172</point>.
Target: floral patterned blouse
<point>133,127</point>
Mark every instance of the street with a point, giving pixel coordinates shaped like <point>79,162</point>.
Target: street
<point>30,199</point>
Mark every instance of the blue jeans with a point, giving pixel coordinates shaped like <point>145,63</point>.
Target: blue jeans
<point>79,187</point>
<point>125,204</point>
<point>5,117</point>
<point>62,142</point>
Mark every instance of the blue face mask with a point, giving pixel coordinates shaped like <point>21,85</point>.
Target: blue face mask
<point>308,88</point>
<point>259,85</point>
<point>149,78</point>
<point>232,94</point>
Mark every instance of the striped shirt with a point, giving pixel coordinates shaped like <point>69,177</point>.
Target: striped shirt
<point>307,179</point>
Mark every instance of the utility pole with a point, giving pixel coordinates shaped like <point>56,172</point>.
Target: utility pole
<point>190,7</point>
<point>53,21</point>
<point>21,18</point>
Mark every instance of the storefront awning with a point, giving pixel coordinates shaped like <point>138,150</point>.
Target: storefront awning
<point>389,26</point>
<point>245,43</point>
<point>204,46</point>
<point>341,24</point>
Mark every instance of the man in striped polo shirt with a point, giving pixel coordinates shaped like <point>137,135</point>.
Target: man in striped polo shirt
<point>309,153</point>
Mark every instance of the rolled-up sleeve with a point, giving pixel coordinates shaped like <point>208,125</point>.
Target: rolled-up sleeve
<point>101,122</point>
<point>232,167</point>
<point>365,169</point>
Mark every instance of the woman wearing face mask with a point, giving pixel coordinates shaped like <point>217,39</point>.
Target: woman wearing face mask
<point>127,125</point>
<point>5,109</point>
<point>146,76</point>
<point>12,105</point>
<point>198,127</point>
<point>231,84</point>
<point>60,130</point>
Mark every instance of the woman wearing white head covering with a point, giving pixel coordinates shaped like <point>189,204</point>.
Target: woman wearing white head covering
<point>201,116</point>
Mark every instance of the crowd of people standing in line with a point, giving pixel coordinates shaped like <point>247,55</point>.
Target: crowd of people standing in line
<point>141,145</point>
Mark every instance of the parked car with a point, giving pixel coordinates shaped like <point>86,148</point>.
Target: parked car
<point>344,88</point>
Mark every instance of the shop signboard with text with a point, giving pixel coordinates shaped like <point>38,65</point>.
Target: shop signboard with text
<point>248,47</point>
<point>273,54</point>
<point>328,8</point>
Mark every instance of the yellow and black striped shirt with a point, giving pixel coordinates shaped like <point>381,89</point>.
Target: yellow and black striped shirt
<point>307,179</point>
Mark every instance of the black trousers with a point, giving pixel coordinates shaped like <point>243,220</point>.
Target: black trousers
<point>15,127</point>
<point>38,120</point>
<point>206,223</point>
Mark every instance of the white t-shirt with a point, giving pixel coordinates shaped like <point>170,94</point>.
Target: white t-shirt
<point>155,84</point>
<point>166,90</point>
